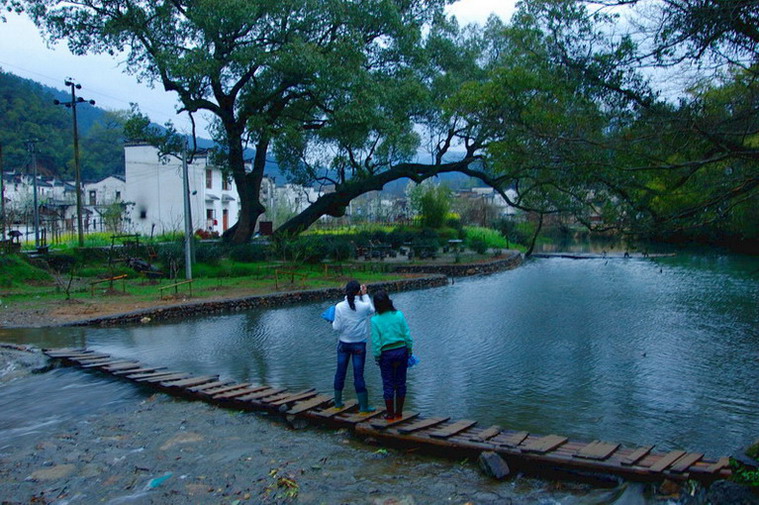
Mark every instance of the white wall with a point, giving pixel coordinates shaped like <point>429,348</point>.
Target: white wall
<point>155,188</point>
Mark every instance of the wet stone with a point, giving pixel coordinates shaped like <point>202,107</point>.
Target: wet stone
<point>53,473</point>
<point>493,465</point>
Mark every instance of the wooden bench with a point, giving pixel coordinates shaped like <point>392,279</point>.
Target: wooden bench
<point>110,280</point>
<point>176,287</point>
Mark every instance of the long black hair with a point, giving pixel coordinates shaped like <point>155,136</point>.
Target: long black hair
<point>382,302</point>
<point>351,290</point>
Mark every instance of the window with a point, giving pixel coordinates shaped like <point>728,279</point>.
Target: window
<point>209,178</point>
<point>93,197</point>
<point>225,184</point>
<point>118,195</point>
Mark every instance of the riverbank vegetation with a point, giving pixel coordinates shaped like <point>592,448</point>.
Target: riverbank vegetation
<point>122,276</point>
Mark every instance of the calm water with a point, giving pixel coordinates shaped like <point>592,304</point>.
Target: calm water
<point>661,352</point>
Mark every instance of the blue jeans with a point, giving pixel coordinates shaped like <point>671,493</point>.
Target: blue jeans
<point>393,365</point>
<point>345,352</point>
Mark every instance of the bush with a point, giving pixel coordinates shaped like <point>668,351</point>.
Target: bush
<point>248,253</point>
<point>210,253</point>
<point>339,248</point>
<point>481,239</point>
<point>63,263</point>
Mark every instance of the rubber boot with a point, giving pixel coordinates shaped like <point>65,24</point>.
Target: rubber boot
<point>363,402</point>
<point>389,410</point>
<point>338,399</point>
<point>399,400</point>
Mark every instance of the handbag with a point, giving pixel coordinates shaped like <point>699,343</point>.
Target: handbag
<point>329,314</point>
<point>412,360</point>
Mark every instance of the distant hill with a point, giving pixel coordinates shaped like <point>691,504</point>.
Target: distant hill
<point>27,112</point>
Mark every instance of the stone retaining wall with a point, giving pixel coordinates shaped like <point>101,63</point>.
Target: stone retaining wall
<point>438,276</point>
<point>511,260</point>
<point>239,304</point>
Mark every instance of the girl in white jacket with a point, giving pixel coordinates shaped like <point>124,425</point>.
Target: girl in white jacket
<point>351,322</point>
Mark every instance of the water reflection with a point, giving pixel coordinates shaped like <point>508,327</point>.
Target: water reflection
<point>657,352</point>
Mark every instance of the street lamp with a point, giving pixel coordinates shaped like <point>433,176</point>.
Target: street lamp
<point>72,105</point>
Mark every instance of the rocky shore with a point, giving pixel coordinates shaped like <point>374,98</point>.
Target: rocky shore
<point>154,449</point>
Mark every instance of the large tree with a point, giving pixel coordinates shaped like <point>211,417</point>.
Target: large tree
<point>575,127</point>
<point>260,68</point>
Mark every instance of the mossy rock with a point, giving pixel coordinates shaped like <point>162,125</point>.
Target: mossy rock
<point>752,451</point>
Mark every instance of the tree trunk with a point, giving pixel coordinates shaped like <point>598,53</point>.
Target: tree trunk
<point>334,204</point>
<point>248,187</point>
<point>535,235</point>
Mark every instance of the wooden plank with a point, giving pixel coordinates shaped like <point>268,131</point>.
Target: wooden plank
<point>209,385</point>
<point>238,392</point>
<point>125,366</point>
<point>231,387</point>
<point>597,450</point>
<point>333,411</point>
<point>132,371</point>
<point>262,394</point>
<point>637,455</point>
<point>719,465</point>
<point>92,359</point>
<point>486,434</point>
<point>96,364</point>
<point>512,440</point>
<point>422,424</point>
<point>686,461</point>
<point>192,381</point>
<point>382,424</point>
<point>140,376</point>
<point>543,444</point>
<point>312,403</point>
<point>156,380</point>
<point>303,395</point>
<point>666,460</point>
<point>453,429</point>
<point>284,395</point>
<point>361,417</point>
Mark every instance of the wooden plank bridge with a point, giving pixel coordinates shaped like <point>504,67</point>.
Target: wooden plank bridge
<point>535,454</point>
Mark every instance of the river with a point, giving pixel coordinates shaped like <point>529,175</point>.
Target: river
<point>657,352</point>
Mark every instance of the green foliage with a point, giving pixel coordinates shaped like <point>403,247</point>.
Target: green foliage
<point>743,474</point>
<point>482,239</point>
<point>15,271</point>
<point>208,252</point>
<point>432,202</point>
<point>516,232</point>
<point>248,253</point>
<point>63,263</point>
<point>28,112</point>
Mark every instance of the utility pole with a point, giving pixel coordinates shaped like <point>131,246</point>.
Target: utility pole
<point>2,195</point>
<point>31,146</point>
<point>72,105</point>
<point>187,218</point>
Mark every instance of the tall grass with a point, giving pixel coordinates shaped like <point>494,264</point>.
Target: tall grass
<point>476,237</point>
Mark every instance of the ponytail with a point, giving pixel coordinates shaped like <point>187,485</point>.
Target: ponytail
<point>351,290</point>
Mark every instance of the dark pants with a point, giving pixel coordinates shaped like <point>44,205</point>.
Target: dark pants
<point>357,353</point>
<point>393,365</point>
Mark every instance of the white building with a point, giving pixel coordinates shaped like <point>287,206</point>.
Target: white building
<point>154,192</point>
<point>104,192</point>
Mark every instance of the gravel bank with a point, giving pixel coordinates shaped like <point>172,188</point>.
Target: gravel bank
<point>159,450</point>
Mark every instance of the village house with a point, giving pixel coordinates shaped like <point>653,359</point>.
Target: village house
<point>154,192</point>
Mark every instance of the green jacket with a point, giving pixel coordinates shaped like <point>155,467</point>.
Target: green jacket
<point>390,331</point>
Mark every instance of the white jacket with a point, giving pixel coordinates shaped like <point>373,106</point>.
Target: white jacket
<point>353,325</point>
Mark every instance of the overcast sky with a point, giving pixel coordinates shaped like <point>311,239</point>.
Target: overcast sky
<point>24,53</point>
